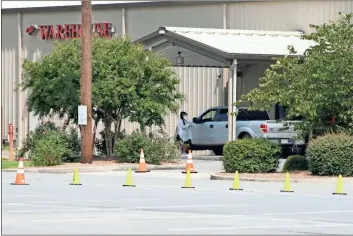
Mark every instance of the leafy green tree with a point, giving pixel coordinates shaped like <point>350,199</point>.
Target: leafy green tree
<point>155,90</point>
<point>318,86</point>
<point>127,82</point>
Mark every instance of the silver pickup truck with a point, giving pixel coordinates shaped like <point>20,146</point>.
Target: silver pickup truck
<point>210,130</point>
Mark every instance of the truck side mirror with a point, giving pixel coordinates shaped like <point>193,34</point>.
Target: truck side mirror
<point>195,120</point>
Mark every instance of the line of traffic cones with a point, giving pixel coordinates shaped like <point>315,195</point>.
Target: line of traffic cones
<point>20,177</point>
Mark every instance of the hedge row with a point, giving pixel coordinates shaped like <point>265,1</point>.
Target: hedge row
<point>326,155</point>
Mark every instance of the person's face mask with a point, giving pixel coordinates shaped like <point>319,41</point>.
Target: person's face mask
<point>184,116</point>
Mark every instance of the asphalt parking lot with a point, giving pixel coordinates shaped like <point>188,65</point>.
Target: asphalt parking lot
<point>158,205</point>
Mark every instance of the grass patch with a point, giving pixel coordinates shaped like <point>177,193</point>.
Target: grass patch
<point>5,147</point>
<point>13,164</point>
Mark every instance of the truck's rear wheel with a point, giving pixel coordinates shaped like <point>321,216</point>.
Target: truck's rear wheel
<point>244,135</point>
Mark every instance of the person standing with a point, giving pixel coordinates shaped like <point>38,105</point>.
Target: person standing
<point>184,132</point>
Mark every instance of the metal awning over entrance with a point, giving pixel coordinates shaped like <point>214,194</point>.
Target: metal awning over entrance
<point>225,48</point>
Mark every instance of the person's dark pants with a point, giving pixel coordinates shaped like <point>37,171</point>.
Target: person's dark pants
<point>187,143</point>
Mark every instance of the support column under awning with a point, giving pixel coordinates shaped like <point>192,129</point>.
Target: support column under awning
<point>232,98</point>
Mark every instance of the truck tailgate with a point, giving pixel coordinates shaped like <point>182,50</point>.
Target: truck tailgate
<point>280,130</point>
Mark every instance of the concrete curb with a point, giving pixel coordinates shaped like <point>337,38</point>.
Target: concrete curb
<point>250,179</point>
<point>204,158</point>
<point>96,169</point>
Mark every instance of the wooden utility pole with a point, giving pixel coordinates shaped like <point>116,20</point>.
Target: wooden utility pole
<point>86,81</point>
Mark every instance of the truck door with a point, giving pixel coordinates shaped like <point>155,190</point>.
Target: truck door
<point>206,127</point>
<point>220,134</point>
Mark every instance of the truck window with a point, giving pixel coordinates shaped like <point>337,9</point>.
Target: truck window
<point>223,116</point>
<point>244,115</point>
<point>252,115</point>
<point>209,116</point>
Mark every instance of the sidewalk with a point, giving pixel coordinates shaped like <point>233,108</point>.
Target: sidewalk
<point>98,166</point>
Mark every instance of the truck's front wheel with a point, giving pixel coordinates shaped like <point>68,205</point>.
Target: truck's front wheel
<point>218,151</point>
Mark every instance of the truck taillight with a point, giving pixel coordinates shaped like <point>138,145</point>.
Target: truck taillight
<point>263,128</point>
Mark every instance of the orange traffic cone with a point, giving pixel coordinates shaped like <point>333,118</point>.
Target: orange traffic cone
<point>189,165</point>
<point>142,164</point>
<point>20,176</point>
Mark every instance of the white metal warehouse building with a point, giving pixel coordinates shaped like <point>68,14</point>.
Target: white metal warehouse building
<point>203,86</point>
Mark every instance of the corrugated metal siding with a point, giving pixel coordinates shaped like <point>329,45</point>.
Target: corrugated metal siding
<point>144,20</point>
<point>9,73</point>
<point>285,15</point>
<point>8,85</point>
<point>202,89</point>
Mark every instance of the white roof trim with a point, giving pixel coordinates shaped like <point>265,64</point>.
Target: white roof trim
<point>246,42</point>
<point>233,31</point>
<point>36,4</point>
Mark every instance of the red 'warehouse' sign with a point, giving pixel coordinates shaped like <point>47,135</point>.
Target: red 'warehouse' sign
<point>69,31</point>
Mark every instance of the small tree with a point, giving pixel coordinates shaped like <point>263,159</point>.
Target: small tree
<point>318,87</point>
<point>127,82</point>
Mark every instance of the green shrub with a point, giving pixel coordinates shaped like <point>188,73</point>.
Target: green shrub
<point>331,154</point>
<point>100,143</point>
<point>33,137</point>
<point>71,138</point>
<point>157,148</point>
<point>296,163</point>
<point>251,156</point>
<point>50,150</point>
<point>163,149</point>
<point>74,144</point>
<point>128,148</point>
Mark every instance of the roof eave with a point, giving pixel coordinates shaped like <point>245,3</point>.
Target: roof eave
<point>256,57</point>
<point>119,5</point>
<point>186,43</point>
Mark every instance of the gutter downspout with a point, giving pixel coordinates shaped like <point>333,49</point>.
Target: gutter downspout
<point>225,71</point>
<point>232,98</point>
<point>123,22</point>
<point>225,16</point>
<point>21,103</point>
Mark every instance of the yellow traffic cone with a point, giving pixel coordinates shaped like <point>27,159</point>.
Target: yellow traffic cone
<point>287,187</point>
<point>128,181</point>
<point>236,182</point>
<point>76,179</point>
<point>339,188</point>
<point>188,183</point>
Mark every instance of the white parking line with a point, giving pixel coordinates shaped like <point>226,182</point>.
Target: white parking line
<point>44,205</point>
<point>189,216</point>
<point>263,227</point>
<point>116,208</point>
<point>226,192</point>
<point>51,210</point>
<point>303,213</point>
<point>98,201</point>
<point>28,195</point>
<point>183,206</point>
